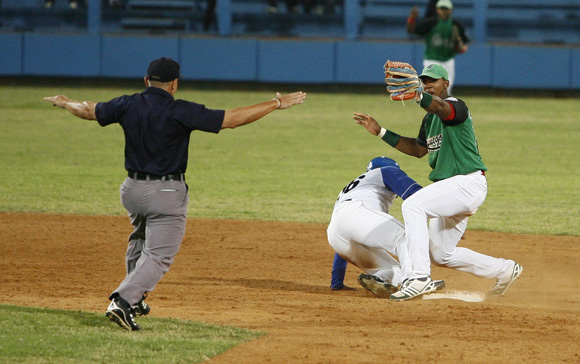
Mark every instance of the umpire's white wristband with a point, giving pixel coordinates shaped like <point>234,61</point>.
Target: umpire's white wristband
<point>382,133</point>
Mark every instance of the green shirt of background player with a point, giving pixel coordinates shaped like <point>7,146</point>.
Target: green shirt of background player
<point>444,37</point>
<point>438,34</point>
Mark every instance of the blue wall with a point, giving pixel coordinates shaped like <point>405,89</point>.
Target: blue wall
<point>286,61</point>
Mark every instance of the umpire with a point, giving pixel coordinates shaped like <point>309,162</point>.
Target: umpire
<point>157,129</point>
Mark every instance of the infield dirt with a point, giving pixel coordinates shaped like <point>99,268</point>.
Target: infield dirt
<point>274,277</point>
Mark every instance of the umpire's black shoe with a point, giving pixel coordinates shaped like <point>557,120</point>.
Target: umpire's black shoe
<point>141,308</point>
<point>120,312</point>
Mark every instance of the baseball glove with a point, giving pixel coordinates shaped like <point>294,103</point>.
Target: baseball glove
<point>402,81</point>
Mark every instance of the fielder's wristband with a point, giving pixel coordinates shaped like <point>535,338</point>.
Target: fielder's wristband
<point>390,138</point>
<point>426,100</point>
<point>279,102</point>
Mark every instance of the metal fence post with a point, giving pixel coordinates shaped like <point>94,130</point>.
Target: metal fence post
<point>94,16</point>
<point>352,19</point>
<point>224,17</point>
<point>480,20</point>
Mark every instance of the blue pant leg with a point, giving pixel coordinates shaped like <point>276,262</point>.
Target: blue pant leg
<point>338,272</point>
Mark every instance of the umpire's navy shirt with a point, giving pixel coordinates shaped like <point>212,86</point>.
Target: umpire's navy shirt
<point>157,128</point>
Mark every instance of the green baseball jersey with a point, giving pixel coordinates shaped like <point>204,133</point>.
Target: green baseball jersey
<point>452,144</point>
<point>439,42</point>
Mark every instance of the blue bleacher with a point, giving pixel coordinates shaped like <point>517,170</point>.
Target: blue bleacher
<point>530,21</point>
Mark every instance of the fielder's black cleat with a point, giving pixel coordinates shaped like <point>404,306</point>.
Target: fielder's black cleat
<point>120,312</point>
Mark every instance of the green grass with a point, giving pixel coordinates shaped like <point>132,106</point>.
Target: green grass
<point>36,335</point>
<point>291,165</point>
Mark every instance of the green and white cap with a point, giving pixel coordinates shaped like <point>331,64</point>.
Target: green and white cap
<point>444,4</point>
<point>435,71</point>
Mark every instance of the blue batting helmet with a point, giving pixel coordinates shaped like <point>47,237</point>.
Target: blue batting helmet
<point>379,162</point>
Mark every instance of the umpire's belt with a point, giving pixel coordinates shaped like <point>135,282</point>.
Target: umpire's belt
<point>153,177</point>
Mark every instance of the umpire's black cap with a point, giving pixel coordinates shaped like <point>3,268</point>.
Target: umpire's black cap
<point>163,70</point>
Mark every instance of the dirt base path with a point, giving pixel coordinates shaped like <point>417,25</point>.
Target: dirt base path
<point>274,277</point>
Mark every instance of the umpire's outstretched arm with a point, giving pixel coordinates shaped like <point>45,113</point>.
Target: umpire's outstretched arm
<point>232,118</point>
<point>247,114</point>
<point>81,109</point>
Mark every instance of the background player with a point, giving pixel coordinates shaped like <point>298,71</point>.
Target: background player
<point>362,231</point>
<point>459,188</point>
<point>444,36</point>
<point>157,131</point>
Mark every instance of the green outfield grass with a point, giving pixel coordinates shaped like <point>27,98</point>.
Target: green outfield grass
<point>291,165</point>
<point>35,335</point>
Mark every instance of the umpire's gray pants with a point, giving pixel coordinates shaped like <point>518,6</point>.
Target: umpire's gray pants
<point>158,212</point>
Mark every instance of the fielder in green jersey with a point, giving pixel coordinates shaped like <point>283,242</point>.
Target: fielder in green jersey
<point>436,216</point>
<point>459,155</point>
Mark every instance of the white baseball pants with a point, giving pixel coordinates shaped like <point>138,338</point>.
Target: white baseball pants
<point>447,205</point>
<point>368,239</point>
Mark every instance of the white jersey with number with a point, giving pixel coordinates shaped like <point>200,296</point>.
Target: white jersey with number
<point>369,188</point>
<point>361,230</point>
